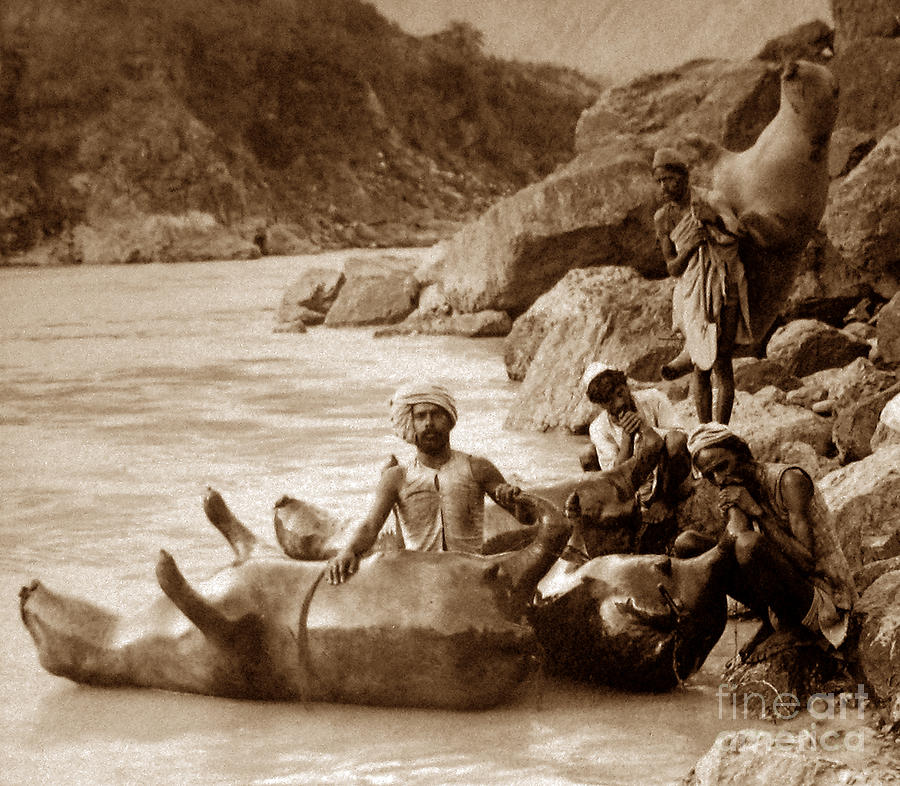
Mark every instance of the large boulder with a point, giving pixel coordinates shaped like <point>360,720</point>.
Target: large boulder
<point>887,432</point>
<point>856,380</point>
<point>807,345</point>
<point>860,19</point>
<point>610,314</point>
<point>856,423</point>
<point>753,374</point>
<point>863,498</point>
<point>772,427</point>
<point>724,101</point>
<point>888,330</point>
<point>790,661</point>
<point>879,639</point>
<point>863,216</point>
<point>776,756</point>
<point>598,210</point>
<point>314,290</point>
<point>376,292</point>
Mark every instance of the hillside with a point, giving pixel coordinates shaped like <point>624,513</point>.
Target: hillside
<point>135,130</point>
<point>614,39</point>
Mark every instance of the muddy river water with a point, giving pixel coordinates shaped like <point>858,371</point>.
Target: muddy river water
<point>124,392</point>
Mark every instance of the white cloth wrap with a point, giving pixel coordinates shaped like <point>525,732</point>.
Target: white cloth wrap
<point>408,396</point>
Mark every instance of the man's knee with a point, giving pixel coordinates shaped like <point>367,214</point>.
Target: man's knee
<point>676,443</point>
<point>749,547</point>
<point>588,459</point>
<point>691,543</point>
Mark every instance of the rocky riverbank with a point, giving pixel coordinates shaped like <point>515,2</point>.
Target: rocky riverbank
<point>568,270</point>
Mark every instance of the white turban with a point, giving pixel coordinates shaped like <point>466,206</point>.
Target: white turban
<point>594,370</point>
<point>708,435</point>
<point>408,396</point>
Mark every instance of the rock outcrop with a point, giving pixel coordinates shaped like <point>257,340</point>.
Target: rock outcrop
<point>376,292</point>
<point>863,498</point>
<point>805,346</point>
<point>879,639</point>
<point>611,314</point>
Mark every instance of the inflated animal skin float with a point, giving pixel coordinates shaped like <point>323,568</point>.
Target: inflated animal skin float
<point>410,628</point>
<point>638,622</point>
<point>778,188</point>
<point>641,622</point>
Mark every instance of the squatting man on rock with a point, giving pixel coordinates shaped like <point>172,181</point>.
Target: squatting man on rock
<point>439,496</point>
<point>789,566</point>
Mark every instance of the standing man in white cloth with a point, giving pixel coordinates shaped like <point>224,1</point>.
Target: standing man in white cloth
<point>439,495</point>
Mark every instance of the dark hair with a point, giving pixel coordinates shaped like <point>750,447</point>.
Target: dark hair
<point>601,387</point>
<point>678,169</point>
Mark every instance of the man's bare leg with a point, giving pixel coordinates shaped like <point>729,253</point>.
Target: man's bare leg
<point>701,390</point>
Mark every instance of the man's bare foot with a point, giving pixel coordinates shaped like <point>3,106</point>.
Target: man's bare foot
<point>678,366</point>
<point>764,631</point>
<point>657,512</point>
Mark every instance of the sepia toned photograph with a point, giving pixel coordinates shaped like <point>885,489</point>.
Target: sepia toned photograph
<point>441,392</point>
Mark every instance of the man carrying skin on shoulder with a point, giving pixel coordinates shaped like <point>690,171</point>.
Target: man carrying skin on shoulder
<point>438,496</point>
<point>697,235</point>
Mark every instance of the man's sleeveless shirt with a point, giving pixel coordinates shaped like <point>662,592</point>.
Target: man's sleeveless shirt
<point>832,573</point>
<point>443,509</point>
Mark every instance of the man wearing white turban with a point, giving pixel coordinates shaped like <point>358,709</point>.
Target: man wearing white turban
<point>790,568</point>
<point>439,496</point>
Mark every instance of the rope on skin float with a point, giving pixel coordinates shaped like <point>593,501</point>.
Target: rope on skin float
<point>678,610</point>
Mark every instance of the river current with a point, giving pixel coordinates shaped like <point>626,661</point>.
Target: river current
<point>125,391</point>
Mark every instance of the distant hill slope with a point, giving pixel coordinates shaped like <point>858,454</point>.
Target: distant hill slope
<point>125,121</point>
<point>616,39</point>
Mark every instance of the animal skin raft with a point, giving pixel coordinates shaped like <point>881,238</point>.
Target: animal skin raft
<point>410,629</point>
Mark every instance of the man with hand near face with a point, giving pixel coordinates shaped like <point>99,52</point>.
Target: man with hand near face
<point>438,496</point>
<point>616,433</point>
<point>789,566</point>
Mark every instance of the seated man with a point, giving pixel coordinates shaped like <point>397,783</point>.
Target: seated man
<point>789,565</point>
<point>616,435</point>
<point>439,496</point>
<point>603,507</point>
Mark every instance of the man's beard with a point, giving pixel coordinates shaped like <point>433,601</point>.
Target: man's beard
<point>430,442</point>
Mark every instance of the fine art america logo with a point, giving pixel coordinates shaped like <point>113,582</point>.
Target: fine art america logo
<point>787,706</point>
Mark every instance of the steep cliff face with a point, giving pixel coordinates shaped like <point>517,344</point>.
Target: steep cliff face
<point>616,39</point>
<point>126,123</point>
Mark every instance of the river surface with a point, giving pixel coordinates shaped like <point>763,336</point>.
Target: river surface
<point>124,392</point>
